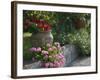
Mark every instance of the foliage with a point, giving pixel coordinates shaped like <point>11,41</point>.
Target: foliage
<point>81,39</point>
<point>50,55</point>
<point>67,28</point>
<point>26,46</point>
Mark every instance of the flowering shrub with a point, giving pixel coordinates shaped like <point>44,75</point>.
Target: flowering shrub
<point>37,25</point>
<point>50,55</point>
<point>81,39</point>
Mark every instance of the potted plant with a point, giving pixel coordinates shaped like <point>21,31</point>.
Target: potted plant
<point>50,56</point>
<point>41,32</point>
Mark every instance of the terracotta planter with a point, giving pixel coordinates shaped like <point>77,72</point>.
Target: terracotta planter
<point>41,38</point>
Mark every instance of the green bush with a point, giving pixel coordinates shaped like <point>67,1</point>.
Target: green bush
<point>26,46</point>
<point>81,39</point>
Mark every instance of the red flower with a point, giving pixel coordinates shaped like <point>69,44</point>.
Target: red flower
<point>43,25</point>
<point>36,21</point>
<point>47,27</point>
<point>40,25</point>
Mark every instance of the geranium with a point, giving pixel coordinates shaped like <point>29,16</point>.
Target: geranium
<point>50,49</point>
<point>32,49</point>
<point>37,25</point>
<point>44,52</point>
<point>49,55</point>
<point>38,49</point>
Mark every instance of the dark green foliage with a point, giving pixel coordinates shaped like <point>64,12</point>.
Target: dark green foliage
<point>26,45</point>
<point>33,29</point>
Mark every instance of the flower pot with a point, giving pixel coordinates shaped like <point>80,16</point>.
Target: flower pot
<point>41,38</point>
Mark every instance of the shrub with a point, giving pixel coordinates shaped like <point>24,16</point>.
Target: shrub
<point>49,55</point>
<point>80,38</point>
<point>26,46</point>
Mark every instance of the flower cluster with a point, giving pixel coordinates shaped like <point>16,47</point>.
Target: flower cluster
<point>50,56</point>
<point>42,25</point>
<point>39,25</point>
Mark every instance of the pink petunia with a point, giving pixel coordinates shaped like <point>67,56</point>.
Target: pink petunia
<point>50,49</point>
<point>45,52</point>
<point>54,65</point>
<point>59,48</point>
<point>57,64</point>
<point>61,56</point>
<point>46,56</point>
<point>51,64</point>
<point>32,49</point>
<point>46,65</point>
<point>38,49</point>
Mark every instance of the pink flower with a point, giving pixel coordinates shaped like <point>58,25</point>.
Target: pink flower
<point>61,56</point>
<point>45,52</point>
<point>32,49</point>
<point>38,49</point>
<point>63,60</point>
<point>61,63</point>
<point>51,64</point>
<point>46,65</point>
<point>50,49</point>
<point>46,56</point>
<point>59,48</point>
<point>57,64</point>
<point>54,65</point>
